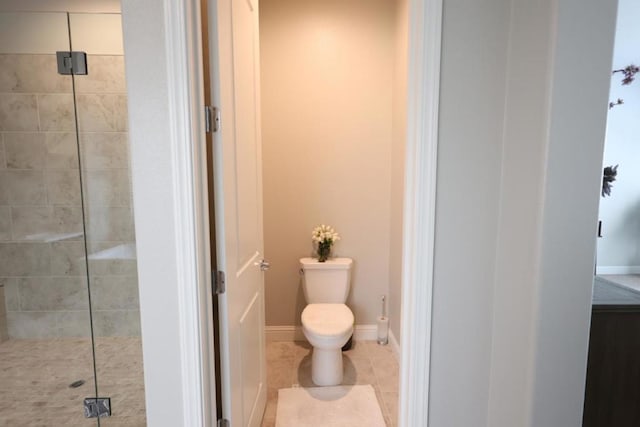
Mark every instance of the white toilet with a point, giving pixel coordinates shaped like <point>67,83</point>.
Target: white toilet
<point>326,321</point>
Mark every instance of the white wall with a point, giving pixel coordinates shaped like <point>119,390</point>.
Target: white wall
<point>472,97</point>
<point>163,66</point>
<point>81,6</point>
<point>327,81</point>
<point>33,33</point>
<point>96,26</point>
<point>517,255</point>
<point>151,167</point>
<point>46,33</point>
<point>520,145</point>
<point>619,248</point>
<point>584,41</point>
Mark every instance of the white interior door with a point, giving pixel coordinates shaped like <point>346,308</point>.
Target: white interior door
<point>238,203</point>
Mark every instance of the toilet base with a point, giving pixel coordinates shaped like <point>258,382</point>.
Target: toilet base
<point>326,366</point>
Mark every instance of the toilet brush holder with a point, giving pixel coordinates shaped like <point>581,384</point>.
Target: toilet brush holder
<point>383,324</point>
<point>383,330</point>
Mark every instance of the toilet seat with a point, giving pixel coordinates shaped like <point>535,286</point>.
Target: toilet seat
<point>327,319</point>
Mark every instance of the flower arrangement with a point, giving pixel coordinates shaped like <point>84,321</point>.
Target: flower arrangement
<point>324,236</point>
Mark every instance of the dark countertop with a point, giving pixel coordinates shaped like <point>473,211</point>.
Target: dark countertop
<point>611,296</point>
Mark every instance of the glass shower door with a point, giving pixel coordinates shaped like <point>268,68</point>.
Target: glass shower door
<point>70,344</point>
<point>47,365</point>
<point>101,103</point>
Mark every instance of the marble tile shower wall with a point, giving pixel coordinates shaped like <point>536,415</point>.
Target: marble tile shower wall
<point>42,256</point>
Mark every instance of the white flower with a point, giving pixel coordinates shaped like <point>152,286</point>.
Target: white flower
<point>324,234</point>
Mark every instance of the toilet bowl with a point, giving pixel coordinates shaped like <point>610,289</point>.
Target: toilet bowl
<point>327,322</point>
<point>327,327</point>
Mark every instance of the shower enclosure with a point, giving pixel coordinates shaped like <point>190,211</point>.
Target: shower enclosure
<point>70,351</point>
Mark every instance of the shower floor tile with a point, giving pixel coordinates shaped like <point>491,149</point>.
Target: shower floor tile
<point>35,376</point>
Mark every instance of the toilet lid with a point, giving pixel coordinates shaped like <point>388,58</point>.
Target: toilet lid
<point>327,319</point>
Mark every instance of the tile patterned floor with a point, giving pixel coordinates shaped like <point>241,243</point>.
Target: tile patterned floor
<point>289,364</point>
<point>35,377</point>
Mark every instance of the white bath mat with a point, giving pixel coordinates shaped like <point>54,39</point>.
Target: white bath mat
<point>339,406</point>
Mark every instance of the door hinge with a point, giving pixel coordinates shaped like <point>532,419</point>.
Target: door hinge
<point>97,407</point>
<point>211,119</point>
<point>72,63</point>
<point>218,282</point>
<point>223,422</point>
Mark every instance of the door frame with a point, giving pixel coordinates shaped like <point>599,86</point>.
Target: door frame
<point>164,72</point>
<point>177,44</point>
<point>418,236</point>
<point>186,108</point>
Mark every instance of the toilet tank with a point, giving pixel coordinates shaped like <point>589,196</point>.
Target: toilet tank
<point>326,282</point>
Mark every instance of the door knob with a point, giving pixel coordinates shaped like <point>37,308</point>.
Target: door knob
<point>264,265</point>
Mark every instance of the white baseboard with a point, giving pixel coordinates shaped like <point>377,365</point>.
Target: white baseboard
<point>622,269</point>
<point>365,333</point>
<point>393,342</point>
<point>294,333</point>
<point>284,333</point>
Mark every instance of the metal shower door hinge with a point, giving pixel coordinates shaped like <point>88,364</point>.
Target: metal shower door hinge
<point>97,407</point>
<point>218,282</point>
<point>211,119</point>
<point>223,422</point>
<point>72,63</point>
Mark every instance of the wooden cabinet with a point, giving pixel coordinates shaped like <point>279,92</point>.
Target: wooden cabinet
<point>612,393</point>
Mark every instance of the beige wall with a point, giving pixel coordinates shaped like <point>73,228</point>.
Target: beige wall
<point>399,127</point>
<point>327,100</point>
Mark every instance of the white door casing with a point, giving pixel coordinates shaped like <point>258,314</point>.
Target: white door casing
<point>238,203</point>
<point>423,89</point>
